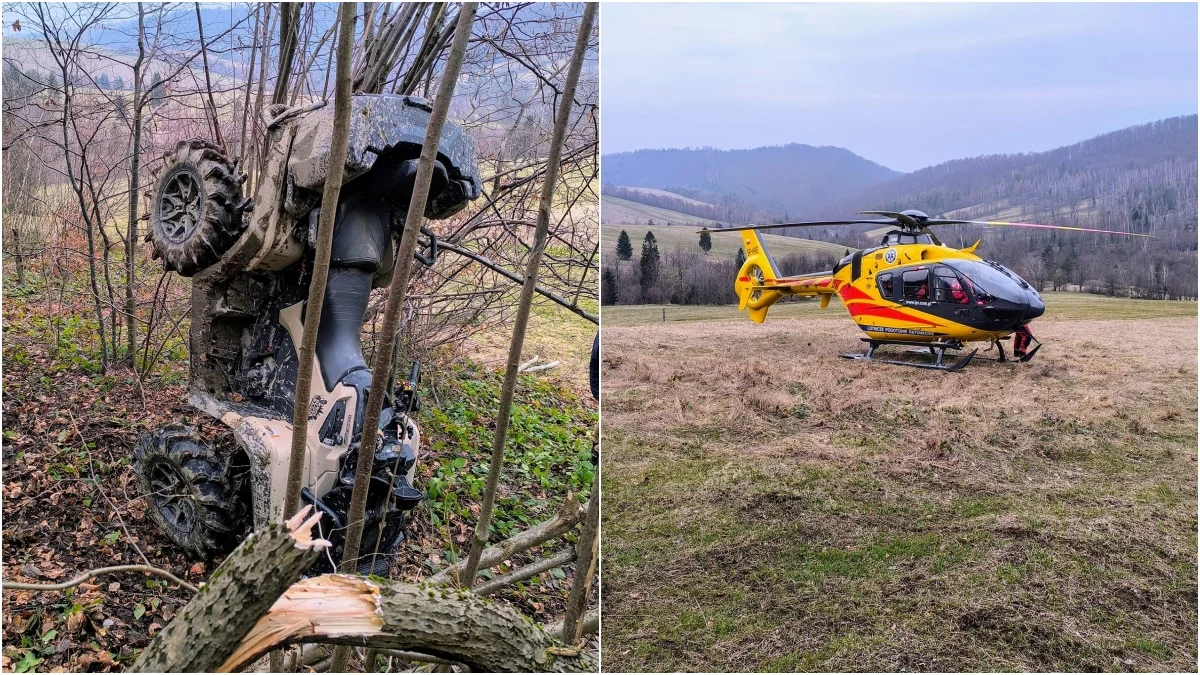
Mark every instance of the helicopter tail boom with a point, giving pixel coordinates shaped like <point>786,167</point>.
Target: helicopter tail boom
<point>759,284</point>
<point>758,270</point>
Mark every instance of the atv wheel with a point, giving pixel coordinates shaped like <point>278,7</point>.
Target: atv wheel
<point>190,491</point>
<point>196,208</point>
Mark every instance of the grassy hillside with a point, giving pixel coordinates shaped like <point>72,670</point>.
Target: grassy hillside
<point>616,210</point>
<point>723,244</point>
<point>770,507</point>
<point>668,194</point>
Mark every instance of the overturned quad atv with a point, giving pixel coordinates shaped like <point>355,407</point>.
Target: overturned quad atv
<point>251,263</point>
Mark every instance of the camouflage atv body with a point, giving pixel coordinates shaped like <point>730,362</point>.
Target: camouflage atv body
<point>250,263</point>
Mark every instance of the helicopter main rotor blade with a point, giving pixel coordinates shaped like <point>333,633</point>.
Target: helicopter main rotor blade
<point>811,223</point>
<point>989,223</point>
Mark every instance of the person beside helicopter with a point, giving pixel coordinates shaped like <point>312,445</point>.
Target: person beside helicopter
<point>1022,336</point>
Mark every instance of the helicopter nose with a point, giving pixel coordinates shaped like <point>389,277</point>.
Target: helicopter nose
<point>1035,308</point>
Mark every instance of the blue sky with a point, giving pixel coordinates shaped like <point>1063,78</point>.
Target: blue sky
<point>905,85</point>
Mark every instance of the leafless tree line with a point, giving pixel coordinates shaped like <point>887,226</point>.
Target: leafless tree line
<point>687,277</point>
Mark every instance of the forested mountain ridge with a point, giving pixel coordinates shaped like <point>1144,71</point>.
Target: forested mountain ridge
<point>784,178</point>
<point>1138,179</point>
<point>1141,179</point>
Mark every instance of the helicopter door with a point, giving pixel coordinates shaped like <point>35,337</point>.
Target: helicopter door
<point>915,285</point>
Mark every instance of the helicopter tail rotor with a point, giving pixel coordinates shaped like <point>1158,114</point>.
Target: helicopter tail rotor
<point>758,269</point>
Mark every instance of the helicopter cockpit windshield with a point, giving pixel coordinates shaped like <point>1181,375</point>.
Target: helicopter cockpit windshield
<point>994,279</point>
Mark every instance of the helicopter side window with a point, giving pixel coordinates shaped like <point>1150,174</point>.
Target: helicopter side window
<point>887,286</point>
<point>948,287</point>
<point>916,284</point>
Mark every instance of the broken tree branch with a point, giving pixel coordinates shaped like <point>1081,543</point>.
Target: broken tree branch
<point>116,569</point>
<point>587,554</point>
<point>208,629</point>
<point>513,277</point>
<point>568,516</point>
<point>525,572</point>
<point>590,625</point>
<point>443,622</point>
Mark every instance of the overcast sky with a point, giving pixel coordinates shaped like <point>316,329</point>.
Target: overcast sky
<point>905,85</point>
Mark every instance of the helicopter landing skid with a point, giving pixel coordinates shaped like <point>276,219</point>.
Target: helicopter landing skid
<point>936,349</point>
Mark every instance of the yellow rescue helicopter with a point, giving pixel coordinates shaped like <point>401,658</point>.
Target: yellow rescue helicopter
<point>911,290</point>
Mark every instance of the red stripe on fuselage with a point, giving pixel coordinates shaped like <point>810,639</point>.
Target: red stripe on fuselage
<point>849,292</point>
<point>886,312</point>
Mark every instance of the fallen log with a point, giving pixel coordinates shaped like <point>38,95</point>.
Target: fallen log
<point>253,604</point>
<point>205,632</point>
<point>437,620</point>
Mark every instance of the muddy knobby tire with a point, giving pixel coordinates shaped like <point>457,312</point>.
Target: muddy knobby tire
<point>196,207</point>
<point>190,491</point>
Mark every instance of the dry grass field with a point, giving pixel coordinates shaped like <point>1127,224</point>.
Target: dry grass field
<point>768,506</point>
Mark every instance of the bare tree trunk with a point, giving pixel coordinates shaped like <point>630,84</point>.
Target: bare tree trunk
<point>483,527</point>
<point>16,253</point>
<point>385,350</point>
<point>258,138</point>
<point>249,84</point>
<point>586,557</point>
<point>135,167</point>
<point>320,274</point>
<point>425,54</point>
<point>289,28</point>
<point>212,104</point>
<point>87,221</point>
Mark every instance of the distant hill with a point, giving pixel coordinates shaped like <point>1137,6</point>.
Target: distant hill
<point>787,179</point>
<point>617,210</point>
<point>1140,179</point>
<point>666,194</point>
<point>723,208</point>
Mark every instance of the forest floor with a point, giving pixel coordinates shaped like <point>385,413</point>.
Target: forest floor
<point>768,506</point>
<point>71,500</point>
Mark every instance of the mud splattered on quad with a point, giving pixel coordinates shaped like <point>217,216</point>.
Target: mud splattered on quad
<point>250,263</point>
